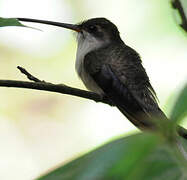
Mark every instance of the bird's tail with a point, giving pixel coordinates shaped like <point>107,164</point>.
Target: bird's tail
<point>143,123</point>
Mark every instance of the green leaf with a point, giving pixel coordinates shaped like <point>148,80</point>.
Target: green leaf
<point>180,108</point>
<point>141,157</point>
<point>10,22</point>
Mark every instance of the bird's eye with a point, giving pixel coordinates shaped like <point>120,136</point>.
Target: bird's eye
<point>92,28</point>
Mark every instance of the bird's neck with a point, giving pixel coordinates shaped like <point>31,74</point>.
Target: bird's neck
<point>84,47</point>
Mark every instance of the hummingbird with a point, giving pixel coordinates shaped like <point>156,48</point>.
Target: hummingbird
<point>114,70</point>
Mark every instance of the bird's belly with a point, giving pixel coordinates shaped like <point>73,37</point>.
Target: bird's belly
<point>90,83</point>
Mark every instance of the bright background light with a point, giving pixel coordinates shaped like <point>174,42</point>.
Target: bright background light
<point>40,130</point>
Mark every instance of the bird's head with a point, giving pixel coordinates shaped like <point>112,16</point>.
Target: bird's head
<point>100,29</point>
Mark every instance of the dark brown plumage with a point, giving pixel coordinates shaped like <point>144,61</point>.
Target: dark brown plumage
<point>109,67</point>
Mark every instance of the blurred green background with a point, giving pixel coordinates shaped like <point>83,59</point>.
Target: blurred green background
<point>40,130</point>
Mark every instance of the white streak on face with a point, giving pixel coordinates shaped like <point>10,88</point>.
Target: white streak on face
<point>86,44</point>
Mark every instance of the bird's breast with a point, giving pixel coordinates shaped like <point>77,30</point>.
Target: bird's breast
<point>84,47</point>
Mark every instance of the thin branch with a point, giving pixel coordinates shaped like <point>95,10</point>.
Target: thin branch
<point>29,76</point>
<point>58,88</point>
<point>178,5</point>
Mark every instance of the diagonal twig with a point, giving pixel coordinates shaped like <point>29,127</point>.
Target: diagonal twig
<point>29,76</point>
<point>178,5</point>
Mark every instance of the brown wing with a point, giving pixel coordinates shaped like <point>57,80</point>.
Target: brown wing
<point>125,82</point>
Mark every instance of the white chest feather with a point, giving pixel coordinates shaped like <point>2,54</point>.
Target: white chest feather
<point>85,45</point>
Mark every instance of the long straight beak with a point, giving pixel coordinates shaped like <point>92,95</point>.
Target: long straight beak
<point>73,27</point>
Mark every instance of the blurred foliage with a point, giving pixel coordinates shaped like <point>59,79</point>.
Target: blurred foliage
<point>142,156</point>
<point>180,108</point>
<point>10,22</point>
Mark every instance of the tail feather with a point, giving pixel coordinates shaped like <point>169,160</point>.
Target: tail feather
<point>143,123</point>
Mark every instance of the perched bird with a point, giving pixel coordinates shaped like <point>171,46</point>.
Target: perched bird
<point>109,67</point>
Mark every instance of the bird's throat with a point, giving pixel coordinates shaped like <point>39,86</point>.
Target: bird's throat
<point>86,45</point>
